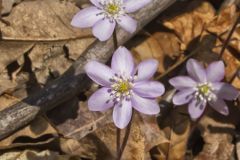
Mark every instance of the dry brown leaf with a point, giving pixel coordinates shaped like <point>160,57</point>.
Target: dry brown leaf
<point>191,24</point>
<point>221,26</point>
<point>156,47</point>
<point>153,135</point>
<point>102,143</point>
<point>74,120</point>
<point>7,5</point>
<point>34,155</point>
<point>45,20</point>
<point>144,135</point>
<point>43,37</point>
<point>7,100</point>
<point>177,128</point>
<point>224,21</point>
<point>38,128</point>
<point>217,136</point>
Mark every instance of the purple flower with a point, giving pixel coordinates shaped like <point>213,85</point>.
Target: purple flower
<point>104,15</point>
<point>124,87</point>
<point>203,86</point>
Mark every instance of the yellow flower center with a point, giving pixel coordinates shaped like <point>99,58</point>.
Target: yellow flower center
<point>204,89</point>
<point>112,9</point>
<point>122,87</point>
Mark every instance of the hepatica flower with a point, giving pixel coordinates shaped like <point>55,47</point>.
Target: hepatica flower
<point>105,14</point>
<point>124,87</point>
<point>203,86</point>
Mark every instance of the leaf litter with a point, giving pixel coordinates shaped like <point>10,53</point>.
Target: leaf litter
<point>40,37</point>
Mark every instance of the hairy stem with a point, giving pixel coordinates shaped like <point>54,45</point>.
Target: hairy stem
<point>125,139</point>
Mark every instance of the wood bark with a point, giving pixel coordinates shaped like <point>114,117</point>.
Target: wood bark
<point>74,80</point>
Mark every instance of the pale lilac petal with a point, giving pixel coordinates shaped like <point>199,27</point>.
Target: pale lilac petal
<point>99,73</point>
<point>196,70</point>
<point>86,17</point>
<point>196,108</point>
<point>146,69</point>
<point>122,114</point>
<point>103,29</point>
<point>149,89</point>
<point>97,3</point>
<point>183,96</point>
<point>220,106</point>
<point>100,100</point>
<point>134,5</point>
<point>122,61</point>
<point>127,23</point>
<point>144,105</point>
<point>215,71</point>
<point>225,91</point>
<point>181,82</point>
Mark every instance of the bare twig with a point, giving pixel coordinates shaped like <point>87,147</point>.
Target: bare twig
<point>229,37</point>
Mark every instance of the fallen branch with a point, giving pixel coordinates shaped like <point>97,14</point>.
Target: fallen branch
<point>74,80</point>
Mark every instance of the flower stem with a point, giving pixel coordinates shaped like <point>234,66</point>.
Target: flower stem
<point>229,37</point>
<point>127,132</point>
<point>118,139</point>
<point>125,139</point>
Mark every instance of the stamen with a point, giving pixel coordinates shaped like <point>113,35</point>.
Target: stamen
<point>204,92</point>
<point>121,88</point>
<point>112,9</point>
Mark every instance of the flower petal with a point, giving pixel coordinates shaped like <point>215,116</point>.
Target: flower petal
<point>146,69</point>
<point>181,82</point>
<point>86,17</point>
<point>134,5</point>
<point>99,73</point>
<point>220,106</point>
<point>122,62</point>
<point>127,23</point>
<point>225,91</point>
<point>100,100</point>
<point>196,108</point>
<point>122,114</point>
<point>196,70</point>
<point>97,3</point>
<point>149,89</point>
<point>215,71</point>
<point>183,96</point>
<point>144,105</point>
<point>103,29</point>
